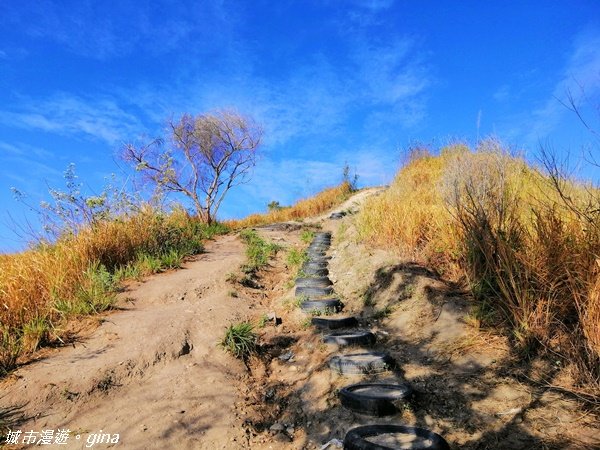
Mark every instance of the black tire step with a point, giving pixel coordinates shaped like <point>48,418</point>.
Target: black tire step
<point>325,305</point>
<point>374,399</point>
<point>313,291</point>
<point>313,281</point>
<point>334,323</point>
<point>346,338</point>
<point>362,363</point>
<point>365,438</point>
<point>315,271</point>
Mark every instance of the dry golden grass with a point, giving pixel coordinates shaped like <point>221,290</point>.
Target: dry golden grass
<point>502,226</point>
<point>78,274</point>
<point>309,207</point>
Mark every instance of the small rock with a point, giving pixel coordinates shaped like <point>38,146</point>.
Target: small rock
<point>272,317</point>
<point>276,427</point>
<point>288,356</point>
<point>332,443</point>
<point>289,430</point>
<point>281,437</point>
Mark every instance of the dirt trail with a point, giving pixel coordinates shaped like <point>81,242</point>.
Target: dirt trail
<point>152,372</point>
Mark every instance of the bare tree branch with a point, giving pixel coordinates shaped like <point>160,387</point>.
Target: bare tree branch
<point>207,155</point>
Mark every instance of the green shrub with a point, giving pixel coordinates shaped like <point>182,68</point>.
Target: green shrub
<point>240,340</point>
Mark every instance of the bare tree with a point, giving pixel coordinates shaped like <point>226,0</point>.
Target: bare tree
<point>205,156</point>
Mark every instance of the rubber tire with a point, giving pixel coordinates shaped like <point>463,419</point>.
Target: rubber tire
<point>337,215</point>
<point>316,254</point>
<point>350,338</point>
<point>335,323</point>
<point>324,305</point>
<point>374,405</point>
<point>319,259</point>
<point>315,271</point>
<point>314,281</point>
<point>355,438</point>
<point>318,264</point>
<point>358,364</point>
<point>317,248</point>
<point>323,234</point>
<point>313,291</point>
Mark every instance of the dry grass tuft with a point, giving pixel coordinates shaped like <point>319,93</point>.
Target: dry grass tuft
<point>78,274</point>
<point>527,244</point>
<point>309,207</point>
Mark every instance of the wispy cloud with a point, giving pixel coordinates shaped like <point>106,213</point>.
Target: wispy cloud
<point>102,30</point>
<point>70,115</point>
<point>580,80</point>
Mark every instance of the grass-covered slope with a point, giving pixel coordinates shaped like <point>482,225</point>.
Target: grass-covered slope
<point>527,245</point>
<point>41,288</point>
<point>303,209</point>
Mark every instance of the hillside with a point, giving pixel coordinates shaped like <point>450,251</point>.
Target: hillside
<point>152,371</point>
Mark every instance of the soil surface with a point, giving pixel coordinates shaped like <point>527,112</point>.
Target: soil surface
<point>152,372</point>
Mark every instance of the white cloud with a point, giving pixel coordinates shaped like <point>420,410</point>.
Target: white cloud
<point>66,114</point>
<point>580,80</point>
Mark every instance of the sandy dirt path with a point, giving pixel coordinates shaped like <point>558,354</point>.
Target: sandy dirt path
<point>152,372</point>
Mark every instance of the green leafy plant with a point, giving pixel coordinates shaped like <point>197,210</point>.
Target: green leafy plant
<point>296,257</point>
<point>258,251</point>
<point>307,236</point>
<point>240,340</point>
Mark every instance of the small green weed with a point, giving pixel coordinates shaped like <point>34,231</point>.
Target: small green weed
<point>368,299</point>
<point>307,236</point>
<point>306,323</point>
<point>173,259</point>
<point>240,340</point>
<point>263,320</point>
<point>382,313</point>
<point>296,257</point>
<point>35,334</point>
<point>258,251</point>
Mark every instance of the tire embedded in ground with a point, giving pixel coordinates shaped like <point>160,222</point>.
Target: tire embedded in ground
<point>334,323</point>
<point>319,259</point>
<point>374,399</point>
<point>317,248</point>
<point>337,215</point>
<point>315,254</point>
<point>345,338</point>
<point>314,265</point>
<point>313,291</point>
<point>315,271</point>
<point>362,363</point>
<point>325,305</point>
<point>383,437</point>
<point>314,281</point>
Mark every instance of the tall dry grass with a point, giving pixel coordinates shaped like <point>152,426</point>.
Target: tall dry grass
<point>77,274</point>
<point>531,259</point>
<point>309,207</point>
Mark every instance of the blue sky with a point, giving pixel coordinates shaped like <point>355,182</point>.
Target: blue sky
<point>330,80</point>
